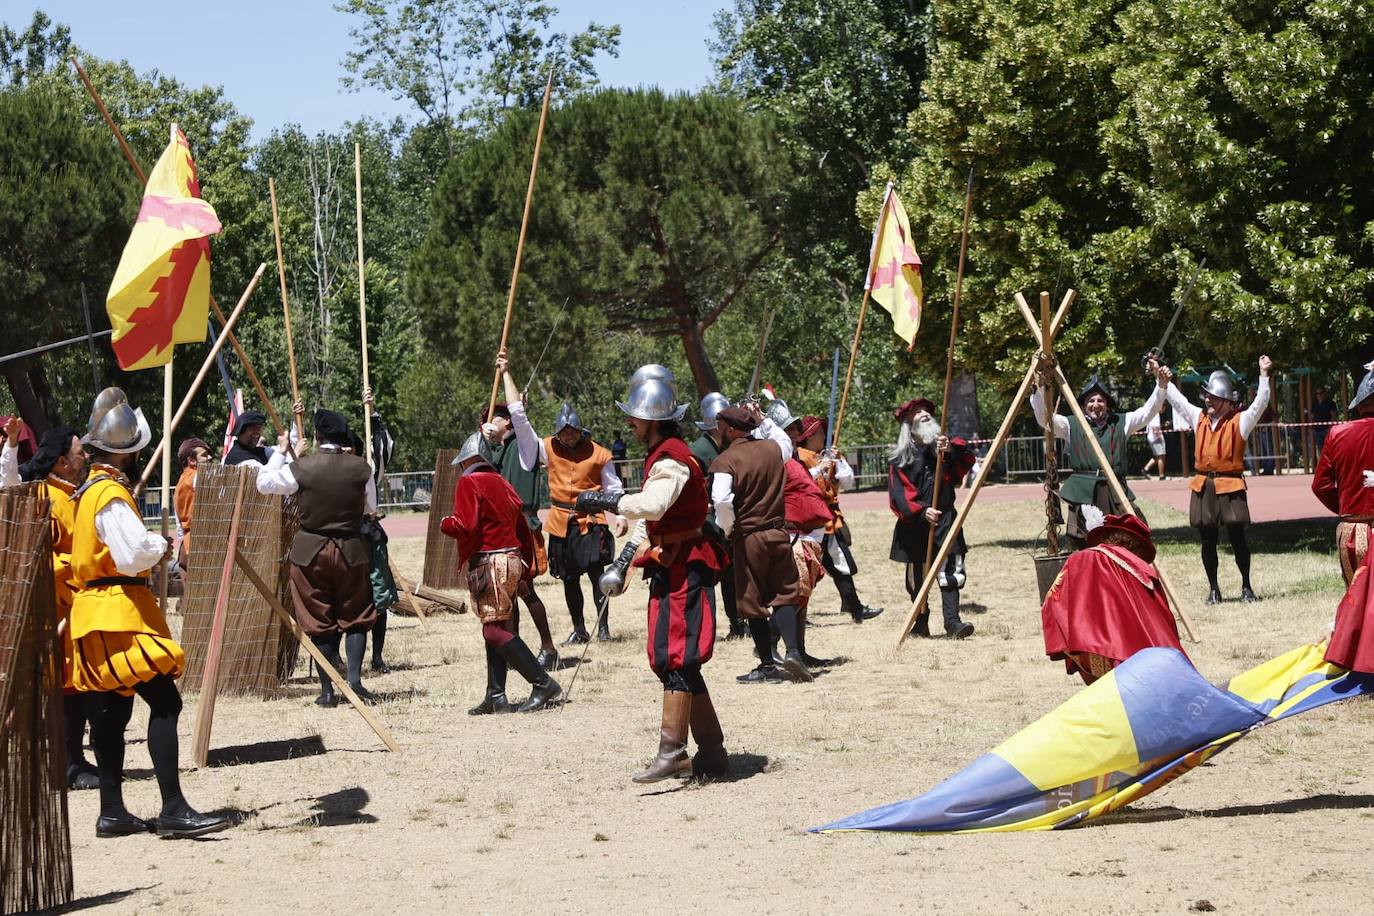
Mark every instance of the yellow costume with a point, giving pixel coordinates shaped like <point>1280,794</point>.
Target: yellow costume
<point>119,635</point>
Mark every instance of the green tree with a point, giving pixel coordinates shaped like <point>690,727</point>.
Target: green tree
<point>33,53</point>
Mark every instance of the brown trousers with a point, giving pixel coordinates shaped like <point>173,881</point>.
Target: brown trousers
<point>765,573</point>
<point>330,596</point>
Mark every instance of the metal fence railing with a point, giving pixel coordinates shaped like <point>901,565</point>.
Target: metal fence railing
<point>1272,448</point>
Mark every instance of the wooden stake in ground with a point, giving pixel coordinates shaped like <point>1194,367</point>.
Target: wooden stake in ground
<point>214,651</point>
<point>949,368</point>
<point>520,243</point>
<point>219,313</point>
<point>225,333</point>
<point>286,307</point>
<point>324,664</point>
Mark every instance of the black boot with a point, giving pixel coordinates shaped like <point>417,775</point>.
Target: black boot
<point>325,644</point>
<point>186,822</point>
<point>378,641</point>
<point>548,659</point>
<point>546,689</point>
<point>495,701</point>
<point>949,605</point>
<point>1213,595</point>
<point>785,619</point>
<point>603,626</point>
<point>354,646</point>
<point>922,627</point>
<point>811,660</point>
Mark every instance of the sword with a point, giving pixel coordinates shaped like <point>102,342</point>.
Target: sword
<point>1157,352</point>
<point>834,390</point>
<point>611,584</point>
<point>753,393</point>
<point>548,340</point>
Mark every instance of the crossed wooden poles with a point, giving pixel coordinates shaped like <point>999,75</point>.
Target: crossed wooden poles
<point>1043,362</point>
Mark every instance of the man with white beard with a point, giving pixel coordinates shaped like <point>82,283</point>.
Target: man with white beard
<point>910,490</point>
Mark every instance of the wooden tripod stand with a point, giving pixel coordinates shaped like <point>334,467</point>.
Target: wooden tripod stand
<point>1043,362</point>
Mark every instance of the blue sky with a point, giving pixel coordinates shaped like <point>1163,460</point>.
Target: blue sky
<point>280,61</point>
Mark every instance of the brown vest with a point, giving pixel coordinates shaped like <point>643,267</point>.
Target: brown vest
<point>332,498</point>
<point>756,466</point>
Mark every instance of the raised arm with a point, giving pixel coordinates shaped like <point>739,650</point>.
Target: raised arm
<point>1061,422</point>
<point>1185,414</point>
<point>275,477</point>
<point>531,447</point>
<point>1249,419</point>
<point>1141,416</point>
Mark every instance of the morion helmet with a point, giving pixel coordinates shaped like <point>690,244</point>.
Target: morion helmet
<point>652,398</point>
<point>568,417</point>
<point>1366,389</point>
<point>711,405</point>
<point>1219,386</point>
<point>115,426</point>
<point>780,413</point>
<point>474,446</point>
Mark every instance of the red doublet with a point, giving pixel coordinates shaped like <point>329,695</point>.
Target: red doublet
<point>806,509</point>
<point>1339,479</point>
<point>678,532</point>
<point>487,515</point>
<point>1352,643</point>
<point>1109,602</point>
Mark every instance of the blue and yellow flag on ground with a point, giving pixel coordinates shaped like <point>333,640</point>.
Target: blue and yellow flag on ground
<point>1140,727</point>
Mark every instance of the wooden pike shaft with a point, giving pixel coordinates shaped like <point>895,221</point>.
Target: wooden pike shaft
<point>362,299</point>
<point>214,306</point>
<point>520,243</point>
<point>285,302</point>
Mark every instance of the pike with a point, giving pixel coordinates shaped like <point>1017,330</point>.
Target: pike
<point>753,392</point>
<point>1156,352</point>
<point>834,390</point>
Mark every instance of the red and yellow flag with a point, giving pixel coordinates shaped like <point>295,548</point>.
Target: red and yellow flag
<point>160,295</point>
<point>894,268</point>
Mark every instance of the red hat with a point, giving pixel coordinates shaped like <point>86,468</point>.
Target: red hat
<point>914,405</point>
<point>806,427</point>
<point>1125,524</point>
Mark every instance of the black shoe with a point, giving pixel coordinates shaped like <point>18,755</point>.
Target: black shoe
<point>327,699</point>
<point>380,667</point>
<point>541,696</point>
<point>866,613</point>
<point>189,823</point>
<point>796,667</point>
<point>82,776</point>
<point>763,674</point>
<point>737,630</point>
<point>603,630</point>
<point>110,826</point>
<point>1247,594</point>
<point>961,630</point>
<point>367,696</point>
<point>492,703</point>
<point>577,638</point>
<point>814,662</point>
<point>922,627</point>
<point>1213,597</point>
<point>548,659</point>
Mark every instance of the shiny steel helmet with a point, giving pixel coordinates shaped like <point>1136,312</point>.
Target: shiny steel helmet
<point>568,417</point>
<point>711,405</point>
<point>1219,386</point>
<point>474,446</point>
<point>653,370</point>
<point>115,426</point>
<point>1366,389</point>
<point>653,399</point>
<point>780,413</point>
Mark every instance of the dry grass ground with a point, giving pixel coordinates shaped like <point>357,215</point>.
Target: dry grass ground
<point>536,813</point>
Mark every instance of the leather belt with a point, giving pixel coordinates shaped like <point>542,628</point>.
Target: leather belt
<point>116,580</point>
<point>771,526</point>
<point>333,535</point>
<point>1216,474</point>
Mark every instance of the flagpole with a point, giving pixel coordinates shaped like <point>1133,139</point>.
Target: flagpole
<point>362,299</point>
<point>863,310</point>
<point>166,455</point>
<point>219,313</point>
<point>286,307</point>
<point>520,244</point>
<point>949,369</point>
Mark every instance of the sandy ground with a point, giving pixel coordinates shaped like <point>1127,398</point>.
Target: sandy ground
<point>536,813</point>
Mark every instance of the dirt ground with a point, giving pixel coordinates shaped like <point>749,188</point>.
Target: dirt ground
<point>535,813</point>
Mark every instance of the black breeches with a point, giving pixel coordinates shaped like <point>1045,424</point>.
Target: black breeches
<point>684,680</point>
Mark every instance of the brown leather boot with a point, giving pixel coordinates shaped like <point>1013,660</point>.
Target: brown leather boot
<point>711,759</point>
<point>672,761</point>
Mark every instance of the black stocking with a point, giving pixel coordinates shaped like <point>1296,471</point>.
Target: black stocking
<point>74,711</point>
<point>785,619</point>
<point>379,636</point>
<point>1241,548</point>
<point>572,593</point>
<point>354,646</point>
<point>762,634</point>
<point>109,714</point>
<point>1209,554</point>
<point>164,708</point>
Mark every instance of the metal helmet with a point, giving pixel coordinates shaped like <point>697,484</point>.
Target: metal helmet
<point>711,405</point>
<point>568,417</point>
<point>1366,389</point>
<point>115,426</point>
<point>473,448</point>
<point>653,399</point>
<point>653,370</point>
<point>780,413</point>
<point>1219,385</point>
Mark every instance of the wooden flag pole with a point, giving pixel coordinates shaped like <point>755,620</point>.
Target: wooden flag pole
<point>289,620</point>
<point>286,306</point>
<point>164,567</point>
<point>191,392</point>
<point>214,650</point>
<point>859,327</point>
<point>520,243</point>
<point>214,306</point>
<point>949,368</point>
<point>362,299</point>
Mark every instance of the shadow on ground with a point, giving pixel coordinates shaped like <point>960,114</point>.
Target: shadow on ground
<point>266,751</point>
<point>1292,806</point>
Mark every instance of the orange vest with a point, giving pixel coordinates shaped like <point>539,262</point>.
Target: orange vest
<point>1219,451</point>
<point>106,608</point>
<point>570,473</point>
<point>829,488</point>
<point>63,512</point>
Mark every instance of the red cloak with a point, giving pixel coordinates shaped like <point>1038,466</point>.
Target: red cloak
<point>1109,602</point>
<point>1352,643</point>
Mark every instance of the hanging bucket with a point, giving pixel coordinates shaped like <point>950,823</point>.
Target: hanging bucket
<point>1046,571</point>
